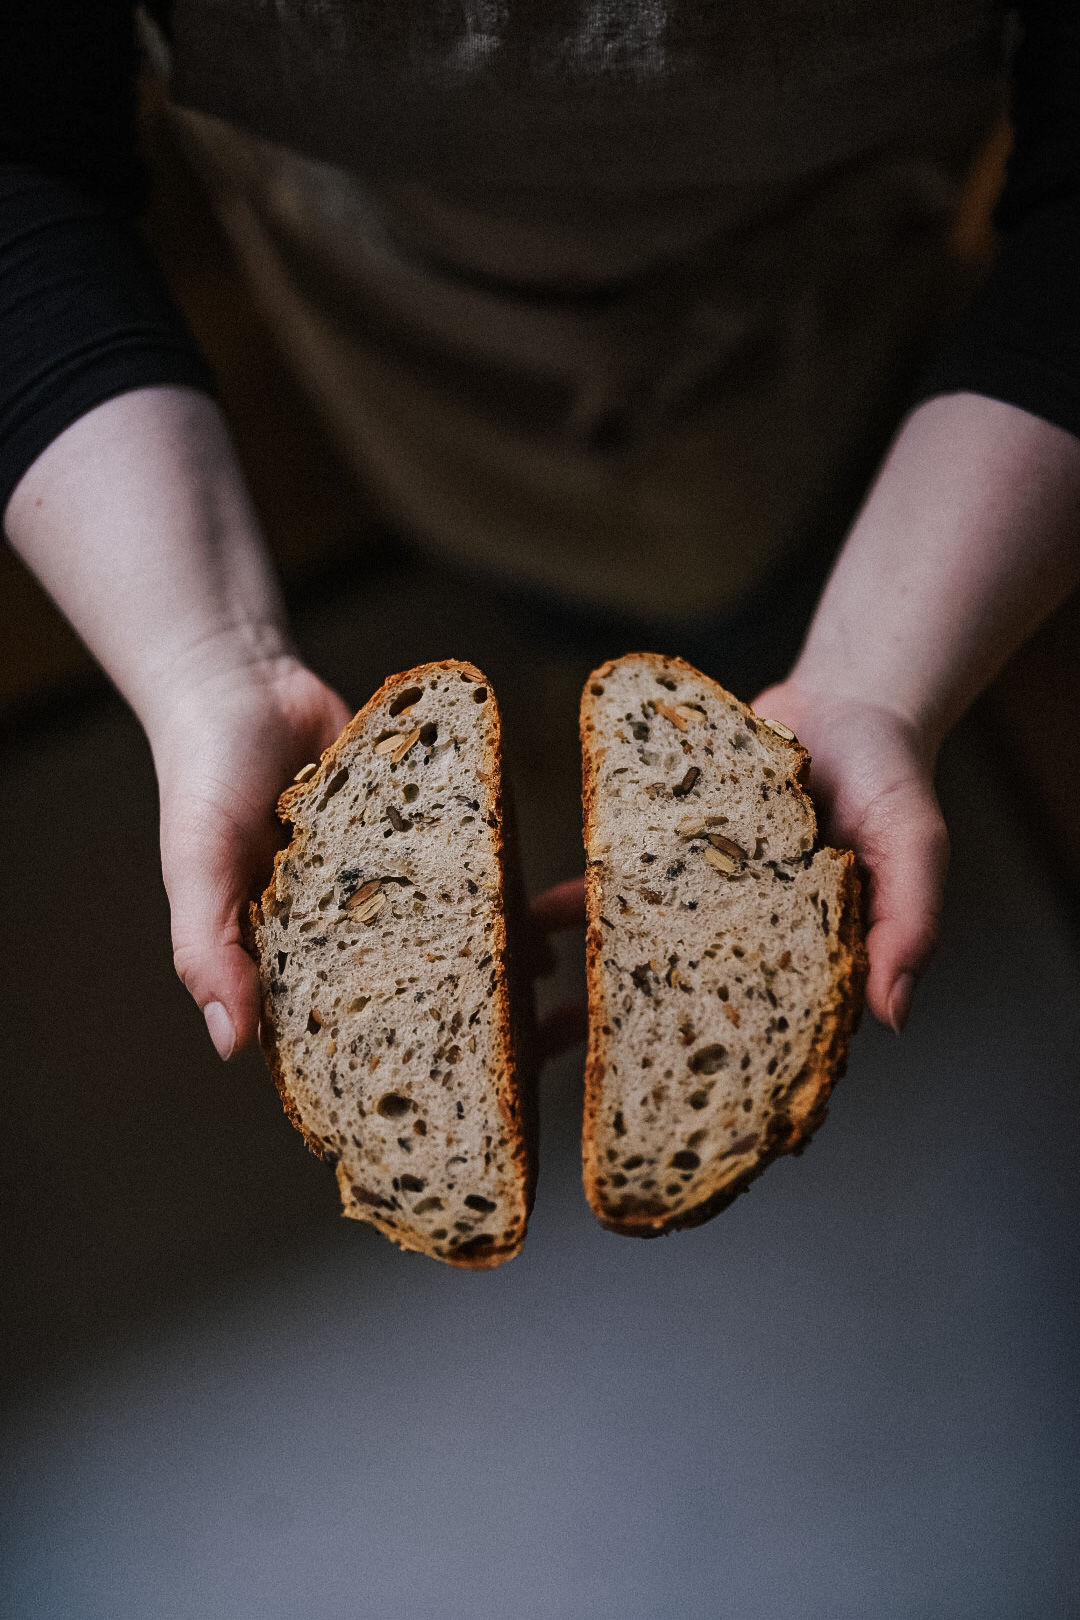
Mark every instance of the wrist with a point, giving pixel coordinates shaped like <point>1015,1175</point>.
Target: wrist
<point>240,667</point>
<point>137,522</point>
<point>819,680</point>
<point>966,540</point>
<point>816,698</point>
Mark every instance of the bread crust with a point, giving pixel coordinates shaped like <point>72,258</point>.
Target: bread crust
<point>805,1104</point>
<point>513,1015</point>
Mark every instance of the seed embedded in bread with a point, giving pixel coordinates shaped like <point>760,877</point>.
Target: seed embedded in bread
<point>724,989</point>
<point>394,1018</point>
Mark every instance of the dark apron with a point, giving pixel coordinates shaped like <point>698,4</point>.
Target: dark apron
<point>602,297</point>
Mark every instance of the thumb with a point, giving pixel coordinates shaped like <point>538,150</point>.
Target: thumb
<point>206,889</point>
<point>903,841</point>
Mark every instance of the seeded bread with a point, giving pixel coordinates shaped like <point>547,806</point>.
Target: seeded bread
<point>392,1019</point>
<point>725,959</point>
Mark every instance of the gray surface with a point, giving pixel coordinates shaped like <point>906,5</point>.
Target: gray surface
<point>851,1397</point>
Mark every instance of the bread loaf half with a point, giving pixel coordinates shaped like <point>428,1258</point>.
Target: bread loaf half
<point>725,961</point>
<point>392,1021</point>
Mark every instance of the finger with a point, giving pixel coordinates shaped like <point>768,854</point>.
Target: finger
<point>222,979</point>
<point>906,848</point>
<point>206,895</point>
<point>560,907</point>
<point>565,1026</point>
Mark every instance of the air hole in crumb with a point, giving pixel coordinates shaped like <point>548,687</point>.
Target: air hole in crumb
<point>482,1240</point>
<point>699,1099</point>
<point>420,1128</point>
<point>358,1005</point>
<point>412,1184</point>
<point>282,958</point>
<point>392,1105</point>
<point>709,1059</point>
<point>314,1022</point>
<point>665,680</point>
<point>634,1162</point>
<point>410,793</point>
<point>596,689</point>
<point>483,1206</point>
<point>618,1124</point>
<point>335,784</point>
<point>480,695</point>
<point>685,1160</point>
<point>406,699</point>
<point>428,733</point>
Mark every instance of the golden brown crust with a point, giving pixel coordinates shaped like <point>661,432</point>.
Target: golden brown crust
<point>805,1104</point>
<point>511,998</point>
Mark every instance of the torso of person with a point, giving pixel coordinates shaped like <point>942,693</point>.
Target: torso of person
<point>603,296</point>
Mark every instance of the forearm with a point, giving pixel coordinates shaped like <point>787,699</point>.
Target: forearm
<point>137,523</point>
<point>968,540</point>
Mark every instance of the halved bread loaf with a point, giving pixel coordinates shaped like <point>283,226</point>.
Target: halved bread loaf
<point>725,961</point>
<point>392,1019</point>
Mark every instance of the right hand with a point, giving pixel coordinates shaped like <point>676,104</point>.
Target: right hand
<point>140,502</point>
<point>224,752</point>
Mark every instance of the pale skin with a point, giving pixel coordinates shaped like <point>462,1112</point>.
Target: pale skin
<point>137,522</point>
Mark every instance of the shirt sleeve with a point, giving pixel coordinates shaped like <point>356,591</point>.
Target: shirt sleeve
<point>1020,340</point>
<point>84,315</point>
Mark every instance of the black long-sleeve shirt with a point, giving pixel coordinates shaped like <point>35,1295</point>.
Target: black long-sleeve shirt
<point>84,315</point>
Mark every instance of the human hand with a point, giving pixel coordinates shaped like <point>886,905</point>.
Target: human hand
<point>224,751</point>
<point>872,784</point>
<point>966,541</point>
<point>141,502</point>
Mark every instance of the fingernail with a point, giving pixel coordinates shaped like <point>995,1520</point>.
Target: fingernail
<point>221,1029</point>
<point>900,1001</point>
